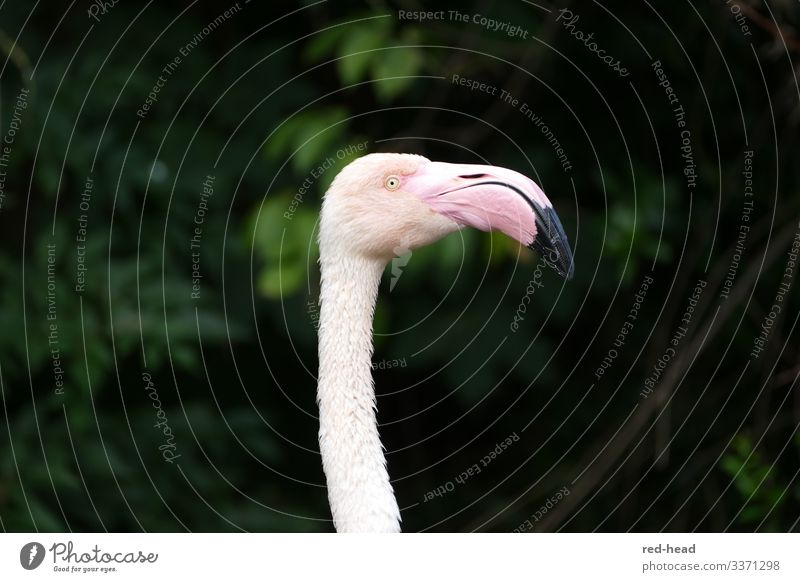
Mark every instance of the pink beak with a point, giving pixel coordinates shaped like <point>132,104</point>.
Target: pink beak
<point>494,198</point>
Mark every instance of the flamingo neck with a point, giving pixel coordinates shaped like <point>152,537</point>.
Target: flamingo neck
<point>360,495</point>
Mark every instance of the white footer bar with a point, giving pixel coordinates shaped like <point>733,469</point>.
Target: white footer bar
<point>460,557</point>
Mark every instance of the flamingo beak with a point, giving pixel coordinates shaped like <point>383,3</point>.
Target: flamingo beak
<point>493,198</point>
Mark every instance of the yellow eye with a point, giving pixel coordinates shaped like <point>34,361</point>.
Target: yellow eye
<point>392,183</point>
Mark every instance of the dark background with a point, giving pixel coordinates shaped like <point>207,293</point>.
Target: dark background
<point>263,99</point>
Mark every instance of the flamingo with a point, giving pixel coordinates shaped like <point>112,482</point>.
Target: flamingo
<point>376,204</point>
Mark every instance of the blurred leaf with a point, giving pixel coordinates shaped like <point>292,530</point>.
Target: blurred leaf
<point>308,136</point>
<point>286,245</point>
<point>393,71</point>
<point>324,43</point>
<point>356,52</point>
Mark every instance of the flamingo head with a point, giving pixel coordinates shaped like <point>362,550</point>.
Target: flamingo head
<point>383,203</point>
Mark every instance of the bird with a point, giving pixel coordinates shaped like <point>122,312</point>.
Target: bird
<point>376,204</point>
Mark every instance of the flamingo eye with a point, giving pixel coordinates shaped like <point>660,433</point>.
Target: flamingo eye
<point>392,183</point>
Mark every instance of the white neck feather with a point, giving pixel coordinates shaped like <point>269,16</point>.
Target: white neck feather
<point>360,495</point>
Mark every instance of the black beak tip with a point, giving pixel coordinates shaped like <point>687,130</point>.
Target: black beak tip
<point>557,256</point>
<point>552,246</point>
<point>569,273</point>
